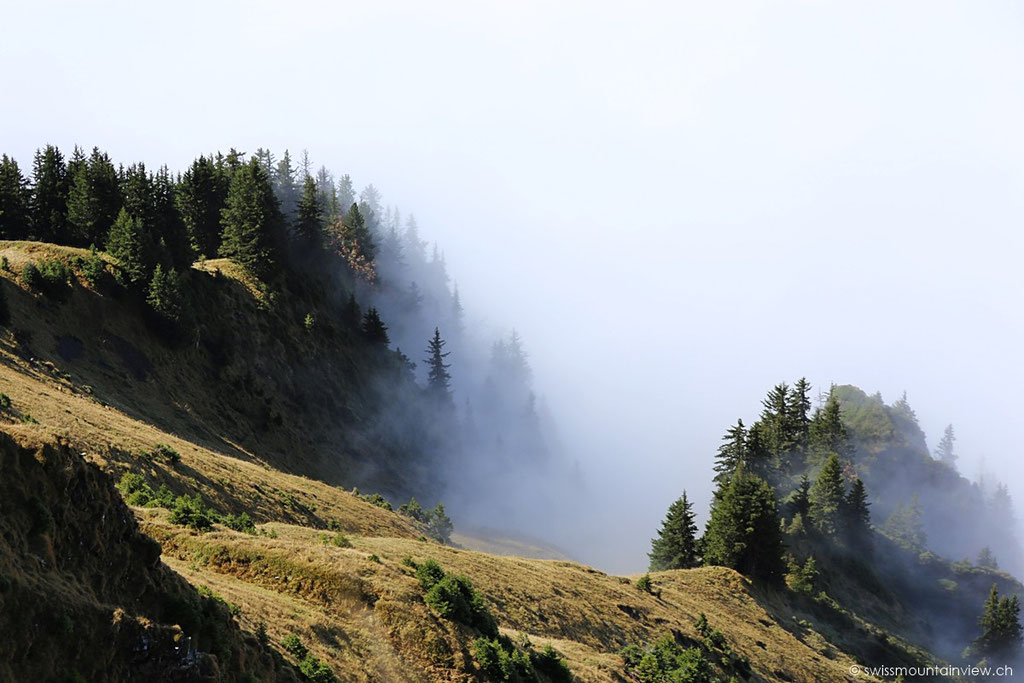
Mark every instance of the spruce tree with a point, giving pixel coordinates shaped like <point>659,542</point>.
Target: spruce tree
<point>285,188</point>
<point>252,223</point>
<point>801,499</point>
<point>799,409</point>
<point>827,432</point>
<point>944,451</point>
<point>15,199</point>
<point>200,197</point>
<point>167,225</point>
<point>731,453</point>
<point>743,530</point>
<point>309,222</point>
<point>354,230</point>
<point>987,559</point>
<point>857,516</point>
<point>1000,638</point>
<point>49,196</point>
<point>94,198</point>
<point>130,244</point>
<point>438,379</point>
<point>676,544</point>
<point>374,329</point>
<point>165,294</point>
<point>827,497</point>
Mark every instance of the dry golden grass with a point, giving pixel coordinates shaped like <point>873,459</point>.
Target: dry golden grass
<point>364,617</point>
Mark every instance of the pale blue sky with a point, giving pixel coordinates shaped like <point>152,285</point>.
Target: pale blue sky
<point>677,204</point>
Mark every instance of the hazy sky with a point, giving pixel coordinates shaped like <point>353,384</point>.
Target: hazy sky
<point>677,204</point>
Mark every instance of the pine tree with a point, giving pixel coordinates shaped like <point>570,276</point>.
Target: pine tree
<point>374,329</point>
<point>902,408</point>
<point>1000,638</point>
<point>905,527</point>
<point>799,409</point>
<point>252,223</point>
<point>168,228</point>
<point>944,451</point>
<point>309,220</point>
<point>200,197</point>
<point>328,195</point>
<point>165,294</point>
<point>731,453</point>
<point>130,244</point>
<point>137,192</point>
<point>15,199</point>
<point>438,379</point>
<point>827,497</point>
<point>49,195</point>
<point>676,544</point>
<point>743,530</point>
<point>352,315</point>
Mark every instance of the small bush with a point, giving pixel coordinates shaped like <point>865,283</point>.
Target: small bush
<point>409,562</point>
<point>644,583</point>
<point>550,663</point>
<point>439,525</point>
<point>241,522</point>
<point>412,509</point>
<point>31,276</point>
<point>316,671</point>
<point>375,499</point>
<point>374,558</point>
<point>261,634</point>
<point>5,402</point>
<point>429,573</point>
<point>453,597</point>
<point>189,511</point>
<point>4,263</point>
<point>93,268</point>
<point>333,525</point>
<point>293,645</point>
<point>166,454</point>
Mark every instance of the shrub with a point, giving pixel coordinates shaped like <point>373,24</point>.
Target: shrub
<point>374,558</point>
<point>166,454</point>
<point>666,660</point>
<point>55,277</point>
<point>428,573</point>
<point>339,540</point>
<point>241,522</point>
<point>499,660</point>
<point>376,499</point>
<point>453,597</point>
<point>333,525</point>
<point>189,511</point>
<point>316,671</point>
<point>293,644</point>
<point>31,276</point>
<point>644,583</point>
<point>4,263</point>
<point>5,402</point>
<point>93,268</point>
<point>261,634</point>
<point>550,663</point>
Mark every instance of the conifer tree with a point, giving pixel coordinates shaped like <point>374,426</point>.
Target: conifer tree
<point>944,451</point>
<point>799,409</point>
<point>904,525</point>
<point>49,195</point>
<point>987,559</point>
<point>15,199</point>
<point>130,244</point>
<point>200,198</point>
<point>285,187</point>
<point>857,516</point>
<point>352,314</point>
<point>827,432</point>
<point>354,230</point>
<point>902,408</point>
<point>676,544</point>
<point>743,530</point>
<point>94,198</point>
<point>252,223</point>
<point>438,378</point>
<point>1000,638</point>
<point>165,294</point>
<point>167,227</point>
<point>801,500</point>
<point>346,191</point>
<point>827,497</point>
<point>309,219</point>
<point>731,453</point>
<point>374,329</point>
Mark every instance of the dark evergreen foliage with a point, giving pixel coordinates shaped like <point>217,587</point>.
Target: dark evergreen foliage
<point>15,201</point>
<point>676,544</point>
<point>252,223</point>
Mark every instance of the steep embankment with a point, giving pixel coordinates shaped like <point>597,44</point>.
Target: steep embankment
<point>83,594</point>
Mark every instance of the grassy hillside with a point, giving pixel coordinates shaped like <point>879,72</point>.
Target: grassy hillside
<point>249,423</point>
